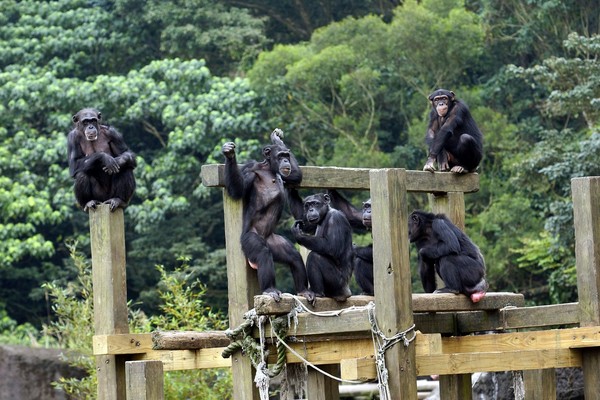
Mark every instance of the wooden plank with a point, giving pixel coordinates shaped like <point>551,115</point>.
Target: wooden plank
<point>392,276</point>
<point>358,178</point>
<point>455,387</point>
<point>421,302</point>
<point>107,241</point>
<point>177,360</point>
<point>463,363</point>
<point>145,380</point>
<point>242,283</point>
<point>532,340</point>
<point>126,343</point>
<point>358,369</point>
<point>188,340</point>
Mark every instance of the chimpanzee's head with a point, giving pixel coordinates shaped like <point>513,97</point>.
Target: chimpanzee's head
<point>366,216</point>
<point>442,101</point>
<point>316,208</point>
<point>87,122</point>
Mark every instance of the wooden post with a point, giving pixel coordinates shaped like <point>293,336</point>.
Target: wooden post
<point>242,285</point>
<point>452,204</point>
<point>586,218</point>
<point>452,387</point>
<point>321,387</point>
<point>540,384</point>
<point>392,278</point>
<point>107,239</point>
<point>144,380</point>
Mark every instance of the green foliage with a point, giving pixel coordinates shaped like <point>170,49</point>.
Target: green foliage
<point>361,81</point>
<point>549,264</point>
<point>183,308</point>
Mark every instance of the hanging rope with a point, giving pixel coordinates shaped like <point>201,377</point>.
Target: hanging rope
<point>242,340</point>
<point>382,343</point>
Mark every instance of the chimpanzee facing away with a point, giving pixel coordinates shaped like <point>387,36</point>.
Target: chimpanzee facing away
<point>363,255</point>
<point>453,138</point>
<point>100,162</point>
<point>263,187</point>
<point>444,248</point>
<point>329,263</point>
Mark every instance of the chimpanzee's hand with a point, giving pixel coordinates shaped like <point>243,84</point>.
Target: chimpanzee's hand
<point>228,150</point>
<point>297,228</point>
<point>111,166</point>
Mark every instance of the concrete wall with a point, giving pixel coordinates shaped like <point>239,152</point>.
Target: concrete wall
<point>26,373</point>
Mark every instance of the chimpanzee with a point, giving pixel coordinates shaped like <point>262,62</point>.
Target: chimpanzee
<point>445,249</point>
<point>100,162</point>
<point>264,187</point>
<point>363,255</point>
<point>329,263</point>
<point>454,141</point>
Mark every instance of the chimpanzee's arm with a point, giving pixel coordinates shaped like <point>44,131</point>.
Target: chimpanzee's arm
<point>454,120</point>
<point>119,149</point>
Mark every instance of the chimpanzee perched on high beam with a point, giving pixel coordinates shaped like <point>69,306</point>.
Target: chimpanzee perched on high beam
<point>454,141</point>
<point>263,187</point>
<point>100,162</point>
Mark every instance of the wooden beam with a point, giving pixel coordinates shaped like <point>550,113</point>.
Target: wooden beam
<point>189,340</point>
<point>178,360</point>
<point>358,178</point>
<point>121,344</point>
<point>421,302</point>
<point>145,380</point>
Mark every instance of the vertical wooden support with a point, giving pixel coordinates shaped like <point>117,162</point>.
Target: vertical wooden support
<point>321,387</point>
<point>586,215</point>
<point>242,285</point>
<point>452,204</point>
<point>452,387</point>
<point>107,239</point>
<point>392,278</point>
<point>540,384</point>
<point>144,380</point>
<point>456,387</point>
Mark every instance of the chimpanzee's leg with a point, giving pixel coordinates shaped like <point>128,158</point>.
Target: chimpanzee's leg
<point>284,252</point>
<point>260,258</point>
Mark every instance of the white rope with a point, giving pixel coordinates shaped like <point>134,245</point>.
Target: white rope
<point>381,344</point>
<point>332,313</point>
<point>308,363</point>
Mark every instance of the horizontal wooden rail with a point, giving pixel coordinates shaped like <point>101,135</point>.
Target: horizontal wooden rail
<point>358,178</point>
<point>435,354</point>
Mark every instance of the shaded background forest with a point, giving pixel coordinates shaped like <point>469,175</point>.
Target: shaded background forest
<point>346,80</point>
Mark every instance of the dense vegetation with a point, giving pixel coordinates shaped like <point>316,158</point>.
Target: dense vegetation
<point>346,80</point>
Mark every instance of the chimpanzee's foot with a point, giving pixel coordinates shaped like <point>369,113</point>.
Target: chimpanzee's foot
<point>91,205</point>
<point>274,293</point>
<point>309,296</point>
<point>457,169</point>
<point>115,203</point>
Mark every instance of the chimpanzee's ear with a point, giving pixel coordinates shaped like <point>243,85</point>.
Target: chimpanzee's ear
<point>75,118</point>
<point>99,116</point>
<point>267,152</point>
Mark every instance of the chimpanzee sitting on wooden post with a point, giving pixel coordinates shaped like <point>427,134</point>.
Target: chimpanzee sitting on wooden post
<point>100,162</point>
<point>454,141</point>
<point>263,187</point>
<point>329,263</point>
<point>445,249</point>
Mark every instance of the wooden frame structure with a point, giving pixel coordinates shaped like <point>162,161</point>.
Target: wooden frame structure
<point>443,346</point>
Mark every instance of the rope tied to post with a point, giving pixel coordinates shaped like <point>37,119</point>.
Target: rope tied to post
<point>243,340</point>
<point>382,343</point>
